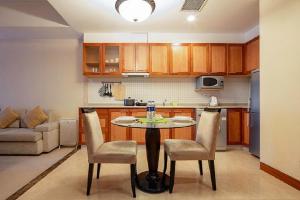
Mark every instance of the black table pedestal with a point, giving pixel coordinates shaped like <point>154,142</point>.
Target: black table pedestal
<point>152,181</point>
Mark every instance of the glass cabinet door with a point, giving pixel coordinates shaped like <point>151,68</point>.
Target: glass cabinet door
<point>112,59</point>
<point>91,59</point>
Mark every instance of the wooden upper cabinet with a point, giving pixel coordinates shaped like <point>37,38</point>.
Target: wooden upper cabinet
<point>112,58</point>
<point>218,58</point>
<point>136,58</point>
<point>252,55</point>
<point>234,129</point>
<point>142,57</point>
<point>200,58</point>
<point>180,59</point>
<point>92,55</point>
<point>235,59</point>
<point>129,58</point>
<point>159,58</point>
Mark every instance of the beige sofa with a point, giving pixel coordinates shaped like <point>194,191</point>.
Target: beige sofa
<point>18,139</point>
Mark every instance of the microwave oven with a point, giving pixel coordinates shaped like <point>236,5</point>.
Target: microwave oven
<point>210,82</point>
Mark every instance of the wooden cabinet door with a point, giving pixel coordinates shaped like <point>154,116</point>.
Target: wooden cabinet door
<point>218,58</point>
<point>235,59</point>
<point>159,59</point>
<point>92,56</point>
<point>252,55</point>
<point>142,57</point>
<point>246,128</point>
<point>164,133</point>
<point>112,58</point>
<point>129,58</point>
<point>117,132</point>
<point>183,133</point>
<point>199,58</point>
<point>138,134</point>
<point>180,59</point>
<point>234,129</point>
<point>103,119</point>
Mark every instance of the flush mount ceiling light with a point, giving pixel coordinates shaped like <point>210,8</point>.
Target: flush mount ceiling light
<point>135,10</point>
<point>191,18</point>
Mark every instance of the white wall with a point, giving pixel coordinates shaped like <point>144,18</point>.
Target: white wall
<point>181,90</point>
<point>42,72</point>
<point>280,86</point>
<point>165,37</point>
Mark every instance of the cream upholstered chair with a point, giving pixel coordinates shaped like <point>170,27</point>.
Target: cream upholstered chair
<point>107,152</point>
<point>202,149</point>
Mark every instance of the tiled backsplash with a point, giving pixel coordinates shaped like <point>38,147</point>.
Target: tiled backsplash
<point>181,90</point>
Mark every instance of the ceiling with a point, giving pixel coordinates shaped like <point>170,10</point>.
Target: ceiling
<point>72,18</point>
<point>217,16</point>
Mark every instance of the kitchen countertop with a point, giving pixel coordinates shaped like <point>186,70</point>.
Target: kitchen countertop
<point>195,106</point>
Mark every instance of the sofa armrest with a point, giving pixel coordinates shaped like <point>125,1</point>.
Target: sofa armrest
<point>46,127</point>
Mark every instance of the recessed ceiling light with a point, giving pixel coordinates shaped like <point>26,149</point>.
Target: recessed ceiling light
<point>135,10</point>
<point>191,18</point>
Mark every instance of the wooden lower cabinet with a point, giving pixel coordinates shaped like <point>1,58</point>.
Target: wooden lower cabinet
<point>112,132</point>
<point>183,133</point>
<point>104,122</point>
<point>234,126</point>
<point>164,133</point>
<point>117,132</point>
<point>238,129</point>
<point>138,134</point>
<point>246,127</point>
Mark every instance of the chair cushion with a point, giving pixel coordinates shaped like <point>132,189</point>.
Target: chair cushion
<point>116,152</point>
<point>7,117</point>
<point>35,117</point>
<point>19,135</point>
<point>185,150</point>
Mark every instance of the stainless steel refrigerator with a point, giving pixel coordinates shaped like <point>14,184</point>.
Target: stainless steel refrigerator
<point>254,146</point>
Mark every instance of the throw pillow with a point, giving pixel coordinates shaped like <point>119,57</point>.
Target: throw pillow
<point>7,117</point>
<point>35,117</point>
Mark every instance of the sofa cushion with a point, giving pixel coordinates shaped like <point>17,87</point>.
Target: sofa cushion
<point>7,117</point>
<point>15,124</point>
<point>35,117</point>
<point>19,135</point>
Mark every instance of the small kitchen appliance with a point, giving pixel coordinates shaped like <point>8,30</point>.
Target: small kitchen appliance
<point>209,82</point>
<point>129,102</point>
<point>213,101</point>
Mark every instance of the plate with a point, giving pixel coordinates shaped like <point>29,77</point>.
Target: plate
<point>125,119</point>
<point>182,118</point>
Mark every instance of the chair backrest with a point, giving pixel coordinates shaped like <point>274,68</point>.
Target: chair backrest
<point>207,131</point>
<point>93,133</point>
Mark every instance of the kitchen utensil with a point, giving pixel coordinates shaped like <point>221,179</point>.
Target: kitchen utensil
<point>129,102</point>
<point>110,92</point>
<point>119,92</point>
<point>106,90</point>
<point>101,91</point>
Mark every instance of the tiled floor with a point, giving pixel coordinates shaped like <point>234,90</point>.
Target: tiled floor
<point>237,172</point>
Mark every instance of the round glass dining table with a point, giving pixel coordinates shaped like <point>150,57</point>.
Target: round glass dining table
<point>151,181</point>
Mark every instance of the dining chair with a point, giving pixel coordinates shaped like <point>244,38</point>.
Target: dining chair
<point>203,148</point>
<point>122,152</point>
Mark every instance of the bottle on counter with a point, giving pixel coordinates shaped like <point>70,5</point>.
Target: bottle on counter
<point>149,114</point>
<point>153,110</point>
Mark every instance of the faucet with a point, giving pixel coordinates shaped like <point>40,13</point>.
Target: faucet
<point>164,102</point>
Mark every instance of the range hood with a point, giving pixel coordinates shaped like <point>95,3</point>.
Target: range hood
<point>135,74</point>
